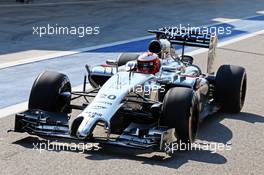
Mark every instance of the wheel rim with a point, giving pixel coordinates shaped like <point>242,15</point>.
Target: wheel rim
<point>65,88</point>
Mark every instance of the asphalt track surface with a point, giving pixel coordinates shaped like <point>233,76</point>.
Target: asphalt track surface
<point>243,131</point>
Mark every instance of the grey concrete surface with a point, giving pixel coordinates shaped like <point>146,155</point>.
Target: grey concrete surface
<point>117,19</point>
<point>244,131</point>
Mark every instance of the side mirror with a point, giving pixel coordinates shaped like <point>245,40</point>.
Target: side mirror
<point>130,65</point>
<point>111,62</point>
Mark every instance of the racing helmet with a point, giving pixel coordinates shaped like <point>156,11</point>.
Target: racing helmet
<point>148,62</point>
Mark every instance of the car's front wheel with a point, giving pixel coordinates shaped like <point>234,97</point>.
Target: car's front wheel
<point>51,92</point>
<point>180,111</point>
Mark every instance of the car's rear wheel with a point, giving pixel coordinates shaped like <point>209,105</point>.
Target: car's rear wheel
<point>125,57</point>
<point>180,111</point>
<point>230,88</point>
<point>51,92</point>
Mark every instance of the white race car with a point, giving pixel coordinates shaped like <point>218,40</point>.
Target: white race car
<point>143,101</point>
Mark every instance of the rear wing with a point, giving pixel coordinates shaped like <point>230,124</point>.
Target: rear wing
<point>191,38</point>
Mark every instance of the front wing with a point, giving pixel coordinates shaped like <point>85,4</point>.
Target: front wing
<point>139,136</point>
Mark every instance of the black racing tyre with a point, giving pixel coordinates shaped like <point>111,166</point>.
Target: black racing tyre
<point>180,111</point>
<point>230,88</point>
<point>125,57</point>
<point>46,90</point>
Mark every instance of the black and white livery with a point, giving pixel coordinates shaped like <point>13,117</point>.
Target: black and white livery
<point>137,109</point>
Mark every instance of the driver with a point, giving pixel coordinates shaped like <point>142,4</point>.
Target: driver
<point>148,63</point>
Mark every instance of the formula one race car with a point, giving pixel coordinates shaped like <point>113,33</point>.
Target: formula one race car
<point>142,101</point>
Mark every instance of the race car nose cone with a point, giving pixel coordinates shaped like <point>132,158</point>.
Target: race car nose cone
<point>86,127</point>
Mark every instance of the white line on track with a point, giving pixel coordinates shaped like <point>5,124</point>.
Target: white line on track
<point>260,12</point>
<point>224,43</point>
<point>13,109</point>
<point>23,106</point>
